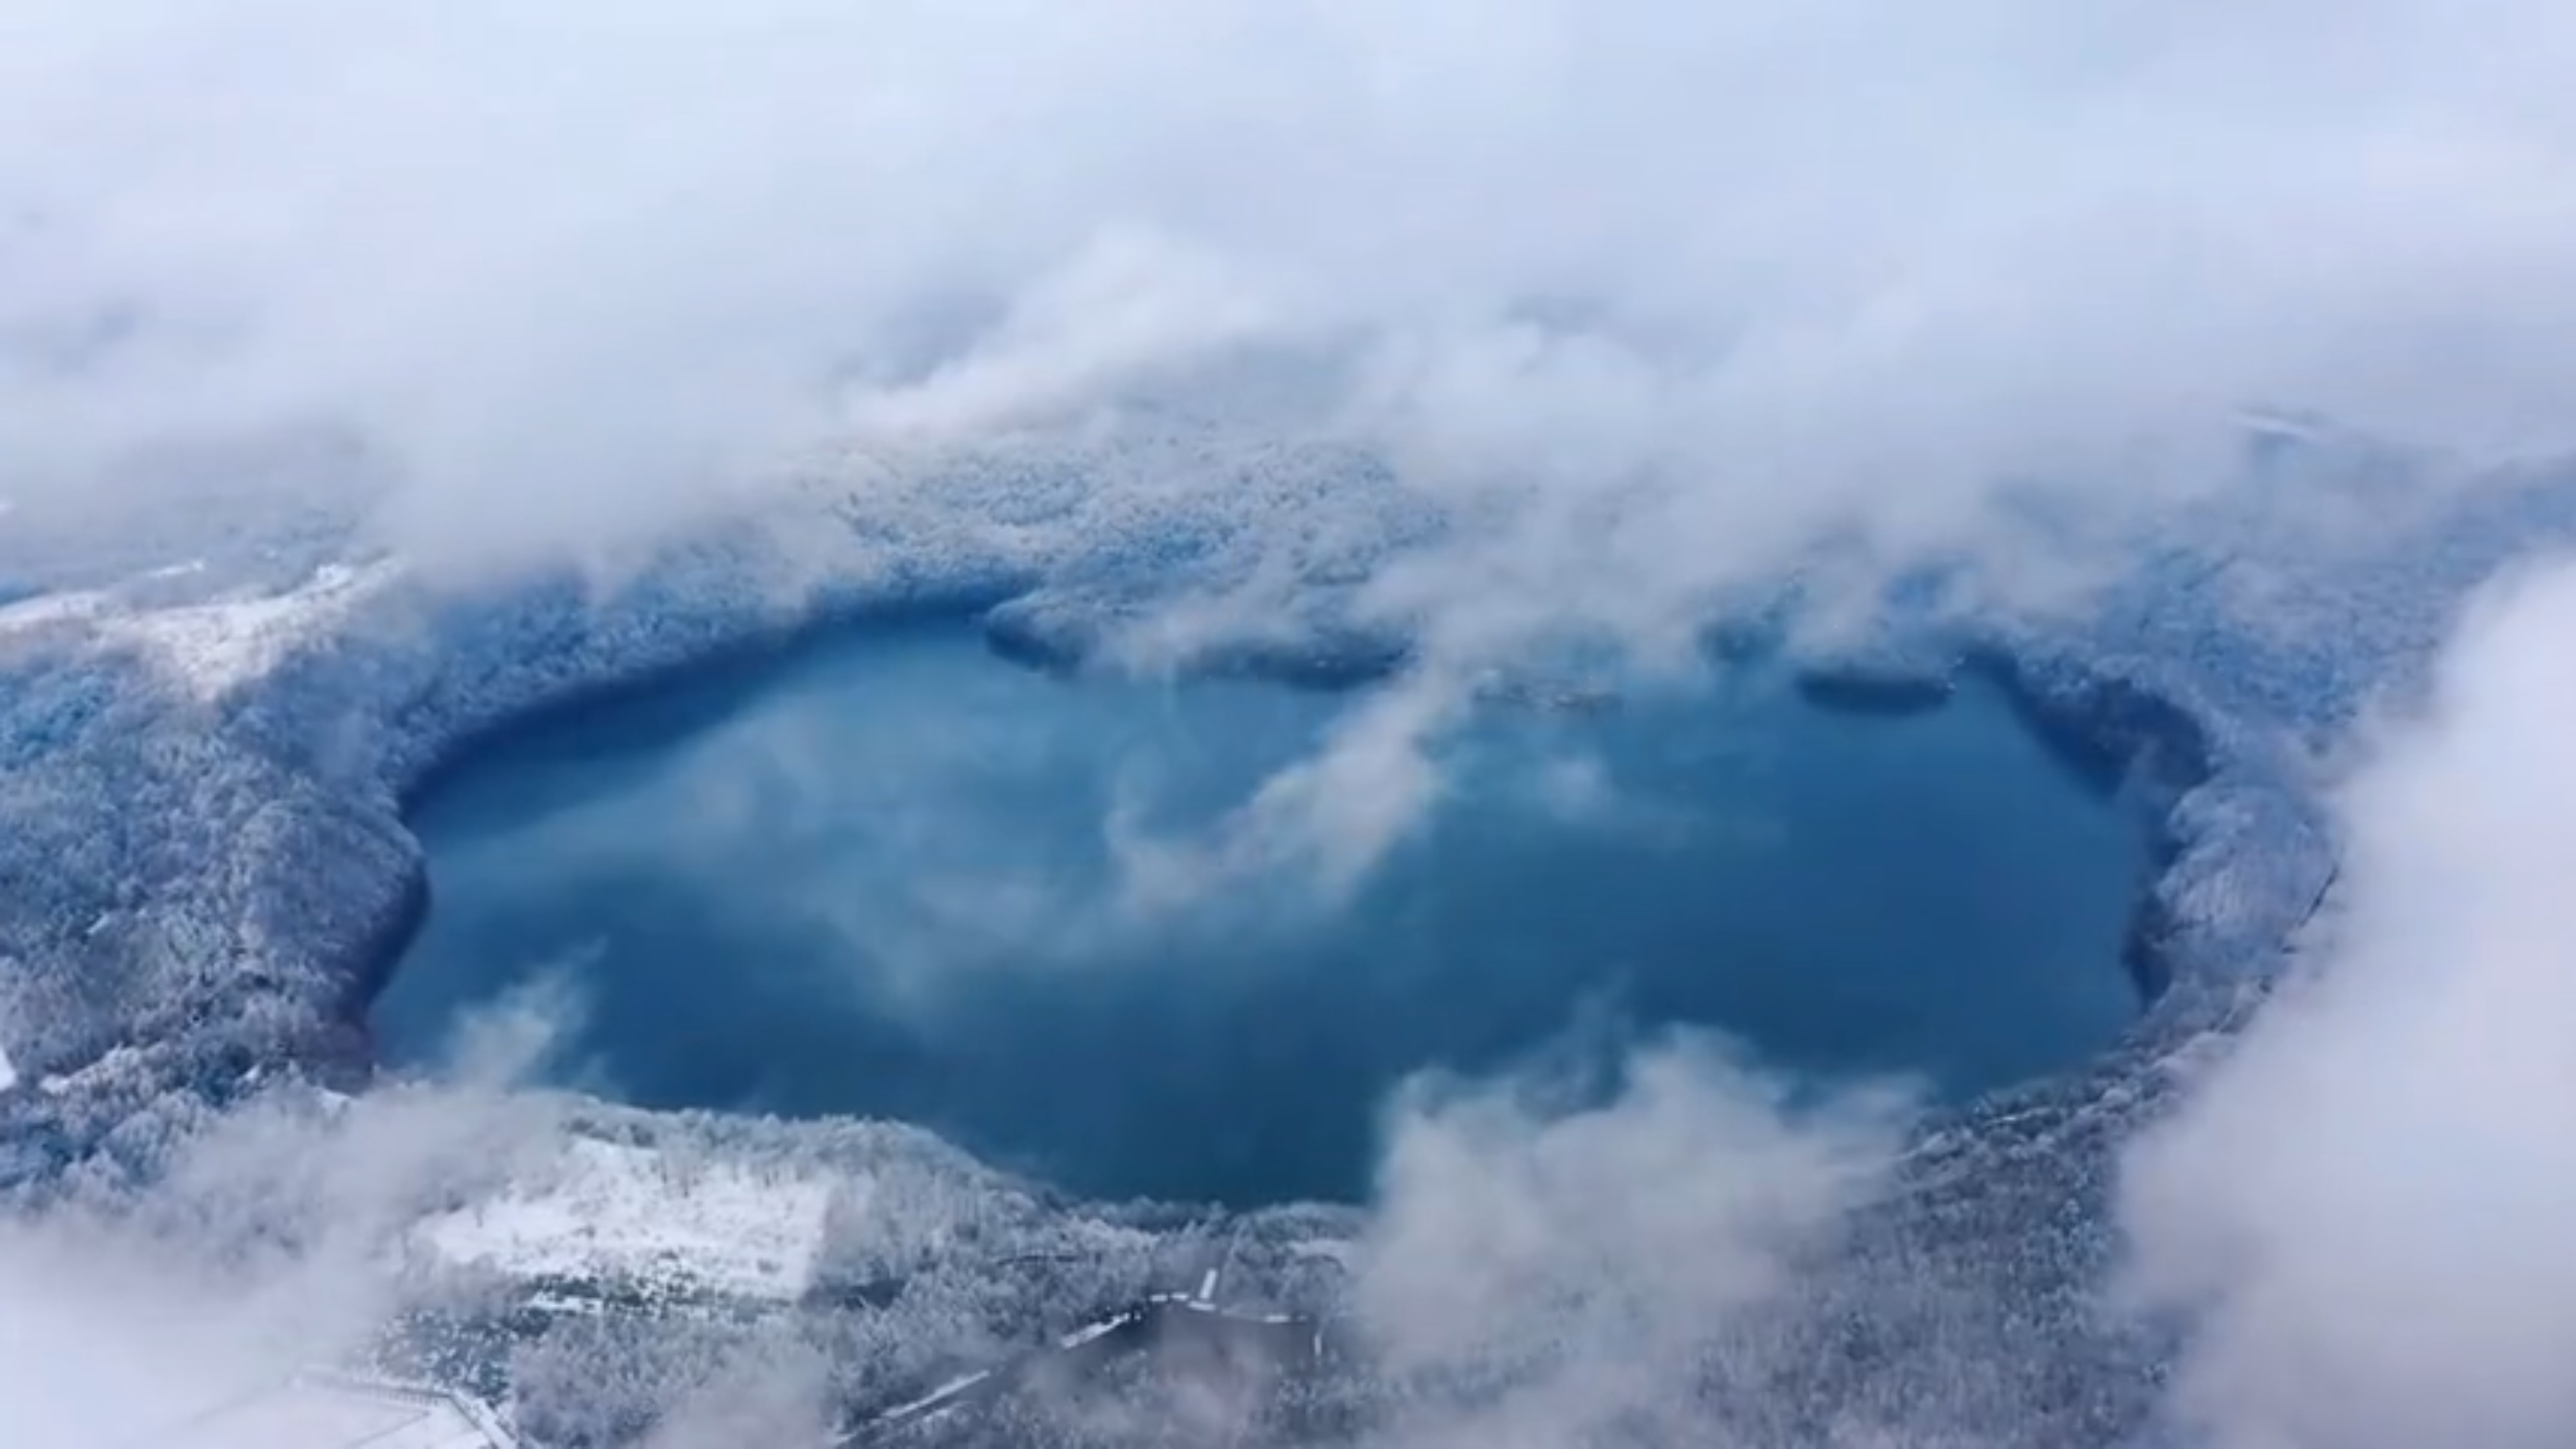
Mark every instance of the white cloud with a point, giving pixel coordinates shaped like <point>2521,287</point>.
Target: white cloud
<point>1655,295</point>
<point>262,1255</point>
<point>2363,1210</point>
<point>1576,1266</point>
<point>1711,279</point>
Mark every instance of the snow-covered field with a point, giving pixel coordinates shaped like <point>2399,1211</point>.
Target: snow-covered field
<point>615,1212</point>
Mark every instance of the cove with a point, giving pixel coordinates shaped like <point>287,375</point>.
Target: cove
<point>893,874</point>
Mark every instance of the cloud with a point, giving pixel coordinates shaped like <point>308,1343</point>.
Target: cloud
<point>267,1246</point>
<point>1647,298</point>
<point>262,1253</point>
<point>1554,1271</point>
<point>1714,281</point>
<point>1543,1261</point>
<point>2361,1212</point>
<point>101,1342</point>
<point>774,1397</point>
<point>1321,823</point>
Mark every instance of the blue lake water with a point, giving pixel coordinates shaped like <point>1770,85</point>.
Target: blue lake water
<point>897,876</point>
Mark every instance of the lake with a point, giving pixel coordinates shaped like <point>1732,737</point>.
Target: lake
<point>897,875</point>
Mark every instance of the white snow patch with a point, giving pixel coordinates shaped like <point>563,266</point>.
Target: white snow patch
<point>614,1211</point>
<point>8,1073</point>
<point>1333,1250</point>
<point>75,606</point>
<point>948,1390</point>
<point>216,647</point>
<point>1093,1332</point>
<point>567,1304</point>
<point>118,1061</point>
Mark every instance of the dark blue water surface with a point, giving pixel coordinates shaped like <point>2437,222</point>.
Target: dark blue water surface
<point>898,876</point>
